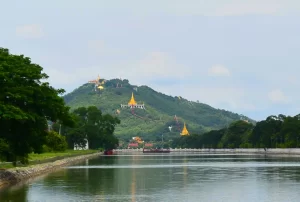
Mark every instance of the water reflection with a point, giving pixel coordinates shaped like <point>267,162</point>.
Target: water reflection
<point>133,186</point>
<point>14,194</point>
<point>184,173</point>
<point>170,177</point>
<point>87,169</point>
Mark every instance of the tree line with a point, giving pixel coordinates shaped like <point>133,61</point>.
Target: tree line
<point>91,127</point>
<point>28,102</point>
<point>274,132</point>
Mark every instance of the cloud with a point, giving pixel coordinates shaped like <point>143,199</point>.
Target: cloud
<point>229,98</point>
<point>293,80</point>
<point>153,65</point>
<point>219,70</point>
<point>250,7</point>
<point>63,77</point>
<point>29,31</point>
<point>214,7</point>
<point>160,64</point>
<point>196,7</point>
<point>96,45</point>
<point>233,98</point>
<point>277,96</point>
<point>99,47</point>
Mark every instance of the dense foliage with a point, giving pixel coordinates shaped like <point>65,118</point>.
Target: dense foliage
<point>25,105</point>
<point>28,104</point>
<point>55,142</point>
<point>274,132</point>
<point>93,126</point>
<point>159,113</point>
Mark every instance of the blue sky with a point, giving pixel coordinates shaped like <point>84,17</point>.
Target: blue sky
<point>241,56</point>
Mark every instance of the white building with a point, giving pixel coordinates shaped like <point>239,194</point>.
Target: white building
<point>78,147</point>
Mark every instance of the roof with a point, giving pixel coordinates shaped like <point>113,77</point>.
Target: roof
<point>132,100</point>
<point>184,131</point>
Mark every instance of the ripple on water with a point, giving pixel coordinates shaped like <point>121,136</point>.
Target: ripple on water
<point>203,164</point>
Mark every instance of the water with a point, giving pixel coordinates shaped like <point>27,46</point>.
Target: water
<point>167,177</point>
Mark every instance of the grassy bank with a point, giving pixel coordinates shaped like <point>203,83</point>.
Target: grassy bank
<point>67,153</point>
<point>49,157</point>
<point>19,173</point>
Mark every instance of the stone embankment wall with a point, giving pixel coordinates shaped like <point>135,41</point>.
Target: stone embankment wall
<point>238,150</point>
<point>244,150</point>
<point>14,175</point>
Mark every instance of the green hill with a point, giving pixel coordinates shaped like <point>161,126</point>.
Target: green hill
<point>158,114</point>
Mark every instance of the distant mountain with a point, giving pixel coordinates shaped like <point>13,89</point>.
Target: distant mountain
<point>157,118</point>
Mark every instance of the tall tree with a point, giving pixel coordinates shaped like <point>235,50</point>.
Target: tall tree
<point>267,133</point>
<point>290,131</point>
<point>94,126</point>
<point>26,103</point>
<point>237,133</point>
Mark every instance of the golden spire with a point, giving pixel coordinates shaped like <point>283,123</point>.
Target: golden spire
<point>98,78</point>
<point>132,101</point>
<point>184,131</point>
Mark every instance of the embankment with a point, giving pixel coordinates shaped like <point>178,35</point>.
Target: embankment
<point>285,151</point>
<point>275,151</point>
<point>14,175</point>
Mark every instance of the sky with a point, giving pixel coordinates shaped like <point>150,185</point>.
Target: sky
<point>237,55</point>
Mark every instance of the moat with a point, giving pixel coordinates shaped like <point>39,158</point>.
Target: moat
<point>167,177</point>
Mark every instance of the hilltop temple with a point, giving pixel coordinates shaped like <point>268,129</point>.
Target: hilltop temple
<point>133,104</point>
<point>98,83</point>
<point>184,131</point>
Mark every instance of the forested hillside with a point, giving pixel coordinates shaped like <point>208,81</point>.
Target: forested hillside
<point>274,132</point>
<point>160,109</point>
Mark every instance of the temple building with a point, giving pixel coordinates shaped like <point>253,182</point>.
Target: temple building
<point>98,83</point>
<point>184,131</point>
<point>133,104</point>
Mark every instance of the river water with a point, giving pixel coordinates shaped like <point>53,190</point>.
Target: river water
<point>171,177</point>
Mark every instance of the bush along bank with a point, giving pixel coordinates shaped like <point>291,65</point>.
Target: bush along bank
<point>14,175</point>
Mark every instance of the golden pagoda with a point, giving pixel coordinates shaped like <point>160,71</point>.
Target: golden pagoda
<point>100,87</point>
<point>133,104</point>
<point>132,101</point>
<point>184,131</point>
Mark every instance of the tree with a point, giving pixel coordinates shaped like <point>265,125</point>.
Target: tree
<point>212,138</point>
<point>236,134</point>
<point>266,132</point>
<point>26,103</point>
<point>97,128</point>
<point>56,142</point>
<point>290,131</point>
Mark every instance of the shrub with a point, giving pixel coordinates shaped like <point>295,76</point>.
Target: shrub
<point>55,142</point>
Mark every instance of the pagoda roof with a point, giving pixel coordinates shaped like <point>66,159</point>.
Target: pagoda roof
<point>132,100</point>
<point>184,131</point>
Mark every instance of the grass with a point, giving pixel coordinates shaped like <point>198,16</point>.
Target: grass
<point>48,157</point>
<point>67,153</point>
<point>4,166</point>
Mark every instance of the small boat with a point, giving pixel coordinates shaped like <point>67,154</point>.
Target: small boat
<point>156,150</point>
<point>108,152</point>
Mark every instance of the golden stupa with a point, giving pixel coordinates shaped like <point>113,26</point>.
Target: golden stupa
<point>184,131</point>
<point>132,100</point>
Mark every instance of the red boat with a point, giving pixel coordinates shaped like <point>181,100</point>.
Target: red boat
<point>156,150</point>
<point>108,152</point>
